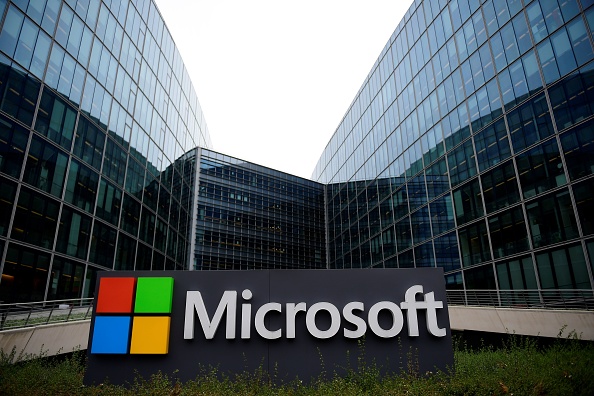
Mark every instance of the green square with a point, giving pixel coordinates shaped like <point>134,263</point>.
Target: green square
<point>153,295</point>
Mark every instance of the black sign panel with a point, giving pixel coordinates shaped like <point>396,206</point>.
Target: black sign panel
<point>291,323</point>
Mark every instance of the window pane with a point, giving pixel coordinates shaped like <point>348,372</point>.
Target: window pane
<point>74,233</point>
<point>551,219</point>
<point>508,232</point>
<point>468,202</point>
<point>500,187</point>
<point>13,141</point>
<point>37,209</point>
<point>540,169</point>
<point>46,167</point>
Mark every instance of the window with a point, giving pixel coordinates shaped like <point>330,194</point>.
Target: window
<point>551,219</point>
<point>474,244</point>
<point>540,169</point>
<point>468,202</point>
<point>508,232</point>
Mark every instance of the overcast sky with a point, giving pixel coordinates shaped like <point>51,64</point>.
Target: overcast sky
<point>275,77</point>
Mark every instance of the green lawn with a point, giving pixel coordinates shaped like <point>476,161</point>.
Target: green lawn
<point>520,367</point>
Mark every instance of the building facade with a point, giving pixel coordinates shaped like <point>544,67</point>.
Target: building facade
<point>97,112</point>
<point>469,147</point>
<point>253,217</point>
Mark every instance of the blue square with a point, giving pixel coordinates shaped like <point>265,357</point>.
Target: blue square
<point>111,334</point>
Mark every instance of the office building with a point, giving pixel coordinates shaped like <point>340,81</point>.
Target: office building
<point>97,113</point>
<point>469,147</point>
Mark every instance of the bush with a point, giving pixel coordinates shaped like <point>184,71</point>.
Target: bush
<point>519,367</point>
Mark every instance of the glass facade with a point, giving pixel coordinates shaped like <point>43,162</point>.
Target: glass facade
<point>469,147</point>
<point>97,112</point>
<point>253,217</point>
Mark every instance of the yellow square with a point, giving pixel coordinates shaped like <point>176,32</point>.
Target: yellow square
<point>150,335</point>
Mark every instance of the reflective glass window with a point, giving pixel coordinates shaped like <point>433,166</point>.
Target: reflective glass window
<point>109,202</point>
<point>442,215</point>
<point>530,123</point>
<point>572,99</point>
<point>468,202</point>
<point>436,177</point>
<point>18,93</point>
<point>578,147</point>
<point>11,30</point>
<point>548,62</point>
<point>480,277</point>
<point>55,119</point>
<point>461,163</point>
<point>46,167</point>
<point>516,274</point>
<point>7,195</point>
<point>24,274</point>
<point>584,198</point>
<point>81,187</point>
<point>424,255</point>
<point>551,219</point>
<point>147,226</point>
<point>417,193</point>
<point>563,268</point>
<point>143,258</point>
<point>578,36</point>
<point>66,279</point>
<point>103,244</point>
<point>421,228</point>
<point>563,54</point>
<point>403,234</point>
<point>492,145</point>
<point>13,141</point>
<point>40,210</point>
<point>125,253</point>
<point>500,187</point>
<point>474,243</point>
<point>508,232</point>
<point>89,143</point>
<point>130,215</point>
<point>540,169</point>
<point>74,233</point>
<point>114,162</point>
<point>446,252</point>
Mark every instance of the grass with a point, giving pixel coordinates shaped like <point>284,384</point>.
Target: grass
<point>519,367</point>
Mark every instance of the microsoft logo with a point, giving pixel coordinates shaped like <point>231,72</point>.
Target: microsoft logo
<point>133,316</point>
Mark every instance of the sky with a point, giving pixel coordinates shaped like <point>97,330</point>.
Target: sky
<point>275,77</point>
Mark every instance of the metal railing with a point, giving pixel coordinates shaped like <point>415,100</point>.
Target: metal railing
<point>28,314</point>
<point>18,315</point>
<point>546,299</point>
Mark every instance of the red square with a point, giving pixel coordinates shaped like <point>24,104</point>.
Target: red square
<point>116,295</point>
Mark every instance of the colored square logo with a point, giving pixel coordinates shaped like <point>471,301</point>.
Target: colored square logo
<point>115,295</point>
<point>153,295</point>
<point>150,335</point>
<point>133,315</point>
<point>110,334</point>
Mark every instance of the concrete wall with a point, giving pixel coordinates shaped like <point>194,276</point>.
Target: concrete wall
<point>532,322</point>
<point>50,340</point>
<point>59,338</point>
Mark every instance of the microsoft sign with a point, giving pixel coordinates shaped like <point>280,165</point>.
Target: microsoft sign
<point>292,322</point>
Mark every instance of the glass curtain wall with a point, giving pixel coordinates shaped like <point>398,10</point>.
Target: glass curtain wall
<point>469,147</point>
<point>96,113</point>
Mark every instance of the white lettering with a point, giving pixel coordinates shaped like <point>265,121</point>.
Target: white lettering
<point>228,306</point>
<point>259,321</point>
<point>310,320</point>
<point>349,316</point>
<point>397,319</point>
<point>194,302</point>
